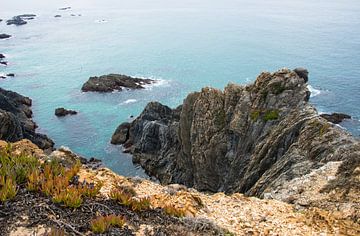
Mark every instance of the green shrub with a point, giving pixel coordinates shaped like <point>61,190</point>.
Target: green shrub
<point>271,115</point>
<point>278,88</point>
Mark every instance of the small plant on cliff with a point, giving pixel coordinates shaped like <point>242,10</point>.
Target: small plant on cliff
<point>254,115</point>
<point>8,188</point>
<point>55,180</point>
<point>13,172</point>
<point>101,224</point>
<point>127,198</point>
<point>271,115</point>
<point>324,128</point>
<point>173,210</point>
<point>220,118</point>
<point>278,88</point>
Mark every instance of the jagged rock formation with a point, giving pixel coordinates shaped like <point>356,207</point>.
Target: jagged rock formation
<point>16,122</point>
<point>254,139</point>
<point>112,82</point>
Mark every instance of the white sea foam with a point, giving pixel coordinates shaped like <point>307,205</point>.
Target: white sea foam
<point>158,82</point>
<point>128,101</point>
<point>314,92</point>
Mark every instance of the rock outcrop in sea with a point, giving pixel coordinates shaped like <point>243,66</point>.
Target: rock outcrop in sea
<point>264,139</point>
<point>5,36</point>
<point>64,112</point>
<point>20,19</point>
<point>112,82</point>
<point>335,118</point>
<point>16,120</point>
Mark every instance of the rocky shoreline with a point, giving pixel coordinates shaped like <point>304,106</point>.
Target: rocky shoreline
<point>16,120</point>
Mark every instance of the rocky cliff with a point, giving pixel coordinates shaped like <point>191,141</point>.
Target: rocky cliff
<point>262,139</point>
<point>16,122</point>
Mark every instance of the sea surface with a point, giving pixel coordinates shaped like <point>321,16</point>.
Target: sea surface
<point>186,45</point>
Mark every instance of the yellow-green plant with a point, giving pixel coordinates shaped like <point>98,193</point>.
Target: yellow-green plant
<point>174,211</point>
<point>101,224</point>
<point>126,199</point>
<point>8,188</point>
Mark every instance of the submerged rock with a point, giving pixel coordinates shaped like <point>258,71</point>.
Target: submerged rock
<point>112,82</point>
<point>5,36</point>
<point>254,139</point>
<point>335,118</point>
<point>57,16</point>
<point>64,112</point>
<point>16,122</point>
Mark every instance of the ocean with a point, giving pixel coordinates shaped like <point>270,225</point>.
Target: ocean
<point>186,45</point>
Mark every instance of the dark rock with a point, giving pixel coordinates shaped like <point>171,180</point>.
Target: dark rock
<point>1,20</point>
<point>112,82</point>
<point>2,77</point>
<point>16,21</point>
<point>4,63</point>
<point>57,16</point>
<point>20,19</point>
<point>11,75</point>
<point>253,139</point>
<point>302,73</point>
<point>64,8</point>
<point>16,122</point>
<point>63,112</point>
<point>121,134</point>
<point>2,56</point>
<point>4,36</point>
<point>335,118</point>
<point>27,16</point>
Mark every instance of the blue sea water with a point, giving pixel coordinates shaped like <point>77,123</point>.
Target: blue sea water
<point>185,44</point>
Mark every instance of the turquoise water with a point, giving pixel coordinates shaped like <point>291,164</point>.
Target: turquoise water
<point>185,44</point>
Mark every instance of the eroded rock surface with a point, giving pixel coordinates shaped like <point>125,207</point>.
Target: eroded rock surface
<point>112,82</point>
<point>253,139</point>
<point>16,122</point>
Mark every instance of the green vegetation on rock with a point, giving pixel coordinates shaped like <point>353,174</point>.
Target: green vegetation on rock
<point>271,115</point>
